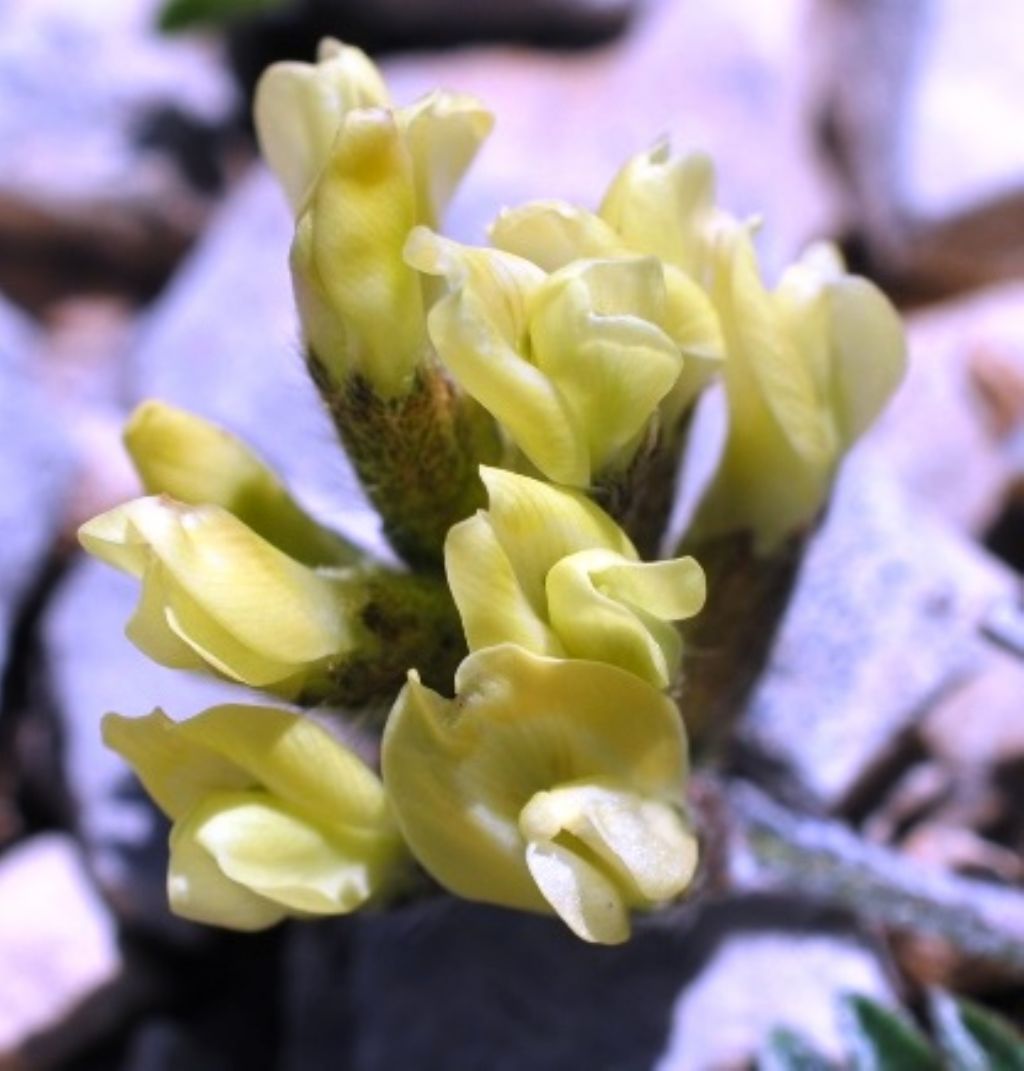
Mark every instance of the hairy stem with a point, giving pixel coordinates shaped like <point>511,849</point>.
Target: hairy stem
<point>770,849</point>
<point>417,455</point>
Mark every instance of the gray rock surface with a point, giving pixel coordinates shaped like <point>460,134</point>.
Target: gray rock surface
<point>884,620</point>
<point>58,943</point>
<point>760,981</point>
<point>934,435</point>
<point>722,77</point>
<point>85,167</point>
<point>961,106</point>
<point>94,669</point>
<point>35,469</point>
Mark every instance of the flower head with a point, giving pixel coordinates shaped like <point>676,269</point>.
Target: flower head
<point>574,365</point>
<point>546,569</point>
<point>659,204</point>
<point>360,175</point>
<point>272,816</point>
<point>545,785</point>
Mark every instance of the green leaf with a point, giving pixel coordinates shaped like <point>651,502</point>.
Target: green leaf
<point>185,14</point>
<point>973,1039</point>
<point>788,1051</point>
<point>881,1040</point>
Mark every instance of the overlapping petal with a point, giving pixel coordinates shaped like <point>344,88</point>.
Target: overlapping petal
<point>361,305</point>
<point>197,462</point>
<point>573,365</point>
<point>809,366</point>
<point>546,569</point>
<point>299,107</point>
<point>272,816</point>
<point>546,785</point>
<point>216,595</point>
<point>360,175</point>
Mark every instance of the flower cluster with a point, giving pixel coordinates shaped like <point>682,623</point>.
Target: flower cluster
<point>489,398</point>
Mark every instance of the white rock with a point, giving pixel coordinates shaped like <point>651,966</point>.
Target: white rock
<point>964,106</point>
<point>759,981</point>
<point>58,941</point>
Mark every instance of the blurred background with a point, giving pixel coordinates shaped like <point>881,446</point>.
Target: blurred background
<point>143,254</point>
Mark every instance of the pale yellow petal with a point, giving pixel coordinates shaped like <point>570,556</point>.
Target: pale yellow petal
<point>537,525</point>
<point>459,772</point>
<point>692,323</point>
<point>659,204</point>
<point>584,899</point>
<point>489,596</point>
<point>178,773</point>
<point>479,330</point>
<point>592,621</point>
<point>595,330</point>
<point>671,590</point>
<point>250,611</point>
<point>851,335</point>
<point>197,888</point>
<point>444,132</point>
<point>195,461</point>
<point>467,839</point>
<point>261,844</point>
<point>298,108</point>
<point>644,846</point>
<point>552,234</point>
<point>361,211</point>
<point>298,762</point>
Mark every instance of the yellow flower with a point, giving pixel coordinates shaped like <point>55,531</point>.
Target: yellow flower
<point>573,365</point>
<point>299,107</point>
<point>809,367</point>
<point>216,595</point>
<point>546,569</point>
<point>359,176</point>
<point>659,205</point>
<point>272,816</point>
<point>195,461</point>
<point>545,785</point>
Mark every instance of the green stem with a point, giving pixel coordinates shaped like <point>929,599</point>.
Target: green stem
<point>417,455</point>
<point>400,622</point>
<point>728,643</point>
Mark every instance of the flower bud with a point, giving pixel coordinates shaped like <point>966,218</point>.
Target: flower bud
<point>197,462</point>
<point>271,815</point>
<point>545,785</point>
<point>299,107</point>
<point>216,595</point>
<point>809,366</point>
<point>546,569</point>
<point>360,175</point>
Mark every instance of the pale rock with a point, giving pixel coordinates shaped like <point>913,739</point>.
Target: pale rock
<point>58,942</point>
<point>725,78</point>
<point>885,620</point>
<point>964,106</point>
<point>981,724</point>
<point>79,184</point>
<point>934,435</point>
<point>758,982</point>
